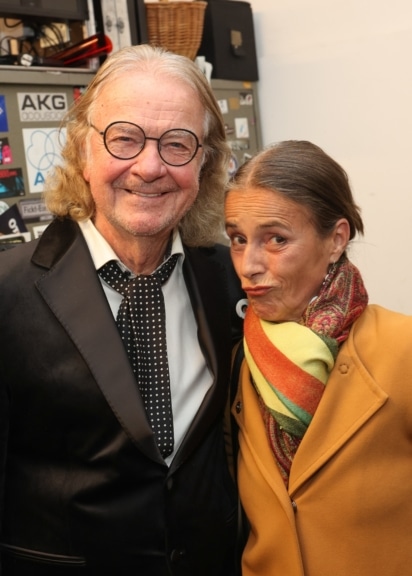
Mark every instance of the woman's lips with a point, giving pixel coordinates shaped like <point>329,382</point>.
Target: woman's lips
<point>256,290</point>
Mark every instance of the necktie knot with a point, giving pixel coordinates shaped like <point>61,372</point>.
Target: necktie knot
<point>124,283</point>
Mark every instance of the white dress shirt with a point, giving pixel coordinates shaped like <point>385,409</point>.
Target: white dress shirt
<point>190,378</point>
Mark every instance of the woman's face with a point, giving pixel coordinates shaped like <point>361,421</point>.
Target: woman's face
<point>277,252</point>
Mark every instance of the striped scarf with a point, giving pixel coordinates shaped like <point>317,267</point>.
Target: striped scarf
<point>290,362</point>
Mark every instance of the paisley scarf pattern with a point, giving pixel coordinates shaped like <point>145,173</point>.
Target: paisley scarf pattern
<point>290,362</point>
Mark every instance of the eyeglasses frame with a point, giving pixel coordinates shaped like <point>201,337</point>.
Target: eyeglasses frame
<point>104,132</point>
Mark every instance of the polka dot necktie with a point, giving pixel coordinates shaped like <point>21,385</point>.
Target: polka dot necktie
<point>141,320</point>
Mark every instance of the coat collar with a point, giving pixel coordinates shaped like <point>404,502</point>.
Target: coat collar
<point>208,292</point>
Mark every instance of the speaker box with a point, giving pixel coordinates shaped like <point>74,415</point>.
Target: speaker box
<point>228,40</point>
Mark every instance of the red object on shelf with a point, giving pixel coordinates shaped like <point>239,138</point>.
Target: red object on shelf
<point>96,45</point>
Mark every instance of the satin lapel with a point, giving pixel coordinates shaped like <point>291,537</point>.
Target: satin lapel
<point>350,399</point>
<point>73,292</point>
<point>205,280</point>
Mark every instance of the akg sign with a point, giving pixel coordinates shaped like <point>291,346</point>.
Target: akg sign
<point>41,106</point>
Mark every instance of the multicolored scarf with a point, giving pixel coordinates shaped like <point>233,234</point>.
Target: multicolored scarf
<point>290,362</point>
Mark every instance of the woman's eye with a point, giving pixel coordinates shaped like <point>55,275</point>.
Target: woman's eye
<point>236,240</point>
<point>277,239</point>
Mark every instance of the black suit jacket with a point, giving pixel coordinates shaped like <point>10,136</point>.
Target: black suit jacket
<point>84,486</point>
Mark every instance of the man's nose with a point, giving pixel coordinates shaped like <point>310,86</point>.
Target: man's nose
<point>148,163</point>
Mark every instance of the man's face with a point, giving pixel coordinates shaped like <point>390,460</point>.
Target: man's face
<point>143,196</point>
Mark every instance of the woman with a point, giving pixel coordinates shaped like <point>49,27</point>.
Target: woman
<point>324,405</point>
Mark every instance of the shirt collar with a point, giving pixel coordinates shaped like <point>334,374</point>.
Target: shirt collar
<point>101,251</point>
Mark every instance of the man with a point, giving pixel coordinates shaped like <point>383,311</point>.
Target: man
<point>87,487</point>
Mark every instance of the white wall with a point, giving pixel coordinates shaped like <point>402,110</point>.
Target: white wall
<point>339,73</point>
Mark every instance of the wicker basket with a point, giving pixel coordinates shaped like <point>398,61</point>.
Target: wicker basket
<point>177,26</point>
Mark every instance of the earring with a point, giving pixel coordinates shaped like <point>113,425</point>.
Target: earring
<point>329,275</point>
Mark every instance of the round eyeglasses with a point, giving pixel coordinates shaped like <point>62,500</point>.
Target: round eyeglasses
<point>125,140</point>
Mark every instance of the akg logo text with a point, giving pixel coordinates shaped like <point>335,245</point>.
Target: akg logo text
<point>41,106</point>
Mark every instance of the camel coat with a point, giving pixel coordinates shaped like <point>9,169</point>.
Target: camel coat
<point>348,508</point>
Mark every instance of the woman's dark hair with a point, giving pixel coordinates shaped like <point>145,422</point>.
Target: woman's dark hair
<point>304,173</point>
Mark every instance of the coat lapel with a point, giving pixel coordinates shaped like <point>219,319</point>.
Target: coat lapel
<point>350,399</point>
<point>73,292</point>
<point>205,280</point>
